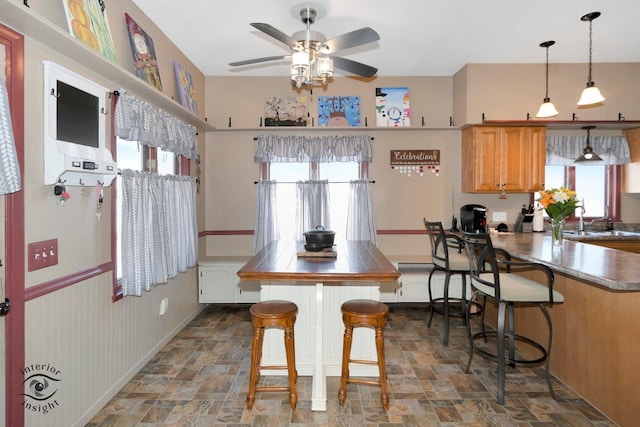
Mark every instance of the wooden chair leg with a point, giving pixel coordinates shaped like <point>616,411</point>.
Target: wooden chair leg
<point>256,355</point>
<point>291,369</point>
<point>346,355</point>
<point>384,395</point>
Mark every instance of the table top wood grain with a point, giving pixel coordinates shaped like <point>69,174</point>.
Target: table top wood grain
<point>355,261</point>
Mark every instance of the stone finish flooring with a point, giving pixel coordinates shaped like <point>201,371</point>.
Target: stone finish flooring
<point>200,378</point>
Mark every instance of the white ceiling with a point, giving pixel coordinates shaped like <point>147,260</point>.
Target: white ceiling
<point>417,37</point>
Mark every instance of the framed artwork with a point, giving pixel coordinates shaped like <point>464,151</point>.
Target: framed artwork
<point>144,54</point>
<point>285,111</point>
<point>392,107</point>
<point>185,88</point>
<point>88,23</point>
<point>339,111</point>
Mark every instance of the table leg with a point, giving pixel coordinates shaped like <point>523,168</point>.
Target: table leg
<point>319,386</point>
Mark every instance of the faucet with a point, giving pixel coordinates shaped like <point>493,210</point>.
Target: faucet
<point>609,224</point>
<point>581,219</point>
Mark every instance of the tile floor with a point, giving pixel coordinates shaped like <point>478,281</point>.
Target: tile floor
<point>200,378</point>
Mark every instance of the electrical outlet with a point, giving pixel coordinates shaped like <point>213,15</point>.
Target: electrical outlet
<point>499,216</point>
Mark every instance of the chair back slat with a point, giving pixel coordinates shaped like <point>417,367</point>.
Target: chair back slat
<point>482,259</point>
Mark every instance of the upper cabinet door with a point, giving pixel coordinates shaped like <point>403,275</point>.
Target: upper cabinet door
<point>496,158</point>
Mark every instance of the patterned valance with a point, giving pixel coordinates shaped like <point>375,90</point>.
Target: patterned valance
<point>302,149</point>
<point>138,120</point>
<point>563,150</point>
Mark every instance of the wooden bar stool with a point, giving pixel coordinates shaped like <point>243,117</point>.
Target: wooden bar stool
<point>272,314</point>
<point>371,314</point>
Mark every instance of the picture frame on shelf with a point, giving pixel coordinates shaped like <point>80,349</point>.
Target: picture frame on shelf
<point>339,111</point>
<point>185,88</point>
<point>144,54</point>
<point>285,111</point>
<point>88,22</point>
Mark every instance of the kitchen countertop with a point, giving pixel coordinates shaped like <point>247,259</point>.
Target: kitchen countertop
<point>613,269</point>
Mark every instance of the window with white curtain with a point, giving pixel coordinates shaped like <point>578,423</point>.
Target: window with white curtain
<point>338,174</point>
<point>310,181</point>
<point>155,221</point>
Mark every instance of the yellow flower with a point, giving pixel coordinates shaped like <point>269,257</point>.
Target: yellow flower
<point>558,202</point>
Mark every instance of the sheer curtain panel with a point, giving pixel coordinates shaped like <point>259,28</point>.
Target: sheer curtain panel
<point>158,228</point>
<point>266,228</point>
<point>312,206</point>
<point>361,224</point>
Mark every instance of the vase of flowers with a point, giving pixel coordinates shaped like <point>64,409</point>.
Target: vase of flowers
<point>559,203</point>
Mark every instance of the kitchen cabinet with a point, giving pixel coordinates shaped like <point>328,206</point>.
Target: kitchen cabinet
<point>219,283</point>
<point>496,158</point>
<point>631,171</point>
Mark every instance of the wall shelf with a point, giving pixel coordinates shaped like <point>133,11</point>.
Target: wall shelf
<point>284,129</point>
<point>29,23</point>
<point>568,124</point>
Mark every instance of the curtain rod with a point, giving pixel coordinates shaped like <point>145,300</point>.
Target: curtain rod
<point>371,181</point>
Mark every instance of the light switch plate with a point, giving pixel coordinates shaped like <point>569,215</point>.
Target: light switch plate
<point>499,216</point>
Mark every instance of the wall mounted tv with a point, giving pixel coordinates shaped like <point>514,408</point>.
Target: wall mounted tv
<point>75,140</point>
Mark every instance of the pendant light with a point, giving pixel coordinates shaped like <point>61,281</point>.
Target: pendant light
<point>587,154</point>
<point>591,94</point>
<point>547,109</point>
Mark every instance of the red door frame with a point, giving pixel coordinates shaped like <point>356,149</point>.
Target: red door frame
<point>14,236</point>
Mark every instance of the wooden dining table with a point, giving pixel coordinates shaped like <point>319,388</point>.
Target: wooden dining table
<point>319,285</point>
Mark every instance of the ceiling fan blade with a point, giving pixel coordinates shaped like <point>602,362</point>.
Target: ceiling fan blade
<point>352,39</point>
<point>354,67</point>
<point>257,60</point>
<point>276,34</point>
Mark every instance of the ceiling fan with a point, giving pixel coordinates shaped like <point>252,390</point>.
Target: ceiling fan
<point>311,51</point>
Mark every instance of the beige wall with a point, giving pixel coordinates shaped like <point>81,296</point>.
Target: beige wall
<point>501,91</point>
<point>96,343</point>
<point>510,91</point>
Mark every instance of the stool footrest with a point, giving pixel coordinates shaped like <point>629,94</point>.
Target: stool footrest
<point>363,381</point>
<point>273,367</point>
<point>521,338</point>
<point>364,362</point>
<point>271,388</point>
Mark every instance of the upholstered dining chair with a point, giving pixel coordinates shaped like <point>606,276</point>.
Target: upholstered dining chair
<point>494,275</point>
<point>448,256</point>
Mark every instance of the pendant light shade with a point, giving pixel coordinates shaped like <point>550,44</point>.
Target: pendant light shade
<point>547,109</point>
<point>587,154</point>
<point>591,94</point>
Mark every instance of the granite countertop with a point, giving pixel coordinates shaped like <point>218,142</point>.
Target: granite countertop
<point>613,269</point>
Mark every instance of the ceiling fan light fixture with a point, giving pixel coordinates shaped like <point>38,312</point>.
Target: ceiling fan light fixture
<point>591,94</point>
<point>547,109</point>
<point>300,68</point>
<point>324,67</point>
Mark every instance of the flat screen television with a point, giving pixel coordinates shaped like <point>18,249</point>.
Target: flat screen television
<point>75,140</point>
<point>77,116</point>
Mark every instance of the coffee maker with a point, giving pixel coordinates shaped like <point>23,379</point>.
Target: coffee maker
<point>473,218</point>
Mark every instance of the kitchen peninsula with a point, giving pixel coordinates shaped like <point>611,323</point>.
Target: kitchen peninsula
<point>319,286</point>
<point>596,344</point>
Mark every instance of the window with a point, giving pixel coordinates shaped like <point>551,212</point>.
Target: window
<point>597,185</point>
<point>166,162</point>
<point>338,174</point>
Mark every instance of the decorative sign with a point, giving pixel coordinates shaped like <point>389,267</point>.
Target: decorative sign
<point>410,161</point>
